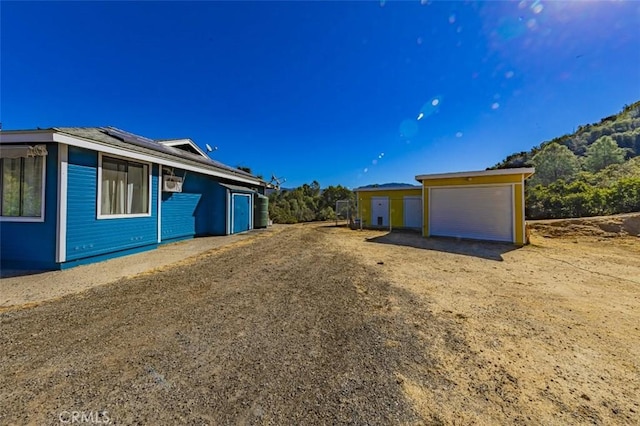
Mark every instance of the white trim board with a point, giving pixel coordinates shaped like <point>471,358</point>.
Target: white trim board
<point>82,143</point>
<point>159,202</point>
<point>53,136</point>
<point>229,217</point>
<point>186,141</point>
<point>528,171</point>
<point>61,224</point>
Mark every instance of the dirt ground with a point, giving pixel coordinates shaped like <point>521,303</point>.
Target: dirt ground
<point>317,324</point>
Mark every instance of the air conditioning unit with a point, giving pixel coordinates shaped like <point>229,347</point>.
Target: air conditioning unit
<point>172,184</point>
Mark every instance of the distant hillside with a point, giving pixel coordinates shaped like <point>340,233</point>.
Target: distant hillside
<point>594,171</point>
<point>623,128</point>
<point>389,185</point>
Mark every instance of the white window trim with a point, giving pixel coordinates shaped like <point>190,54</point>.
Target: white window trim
<point>99,214</point>
<point>33,219</point>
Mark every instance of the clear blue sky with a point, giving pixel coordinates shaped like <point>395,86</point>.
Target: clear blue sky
<point>321,90</point>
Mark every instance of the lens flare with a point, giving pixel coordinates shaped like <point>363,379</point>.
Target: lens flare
<point>536,7</point>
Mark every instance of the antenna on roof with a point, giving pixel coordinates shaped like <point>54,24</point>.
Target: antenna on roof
<point>276,182</point>
<point>209,149</point>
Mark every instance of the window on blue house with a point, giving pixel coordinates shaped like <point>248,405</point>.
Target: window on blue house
<point>21,186</point>
<point>124,188</point>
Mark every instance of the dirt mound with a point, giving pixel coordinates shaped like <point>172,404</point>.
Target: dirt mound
<point>602,226</point>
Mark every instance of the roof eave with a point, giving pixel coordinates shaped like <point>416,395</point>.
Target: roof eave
<point>524,171</point>
<point>225,174</point>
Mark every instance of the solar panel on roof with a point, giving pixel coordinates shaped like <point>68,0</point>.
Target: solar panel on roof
<point>141,141</point>
<point>131,138</point>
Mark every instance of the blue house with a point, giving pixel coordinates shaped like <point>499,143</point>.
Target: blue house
<point>72,196</point>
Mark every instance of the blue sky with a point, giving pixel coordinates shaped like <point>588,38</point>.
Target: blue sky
<point>347,93</point>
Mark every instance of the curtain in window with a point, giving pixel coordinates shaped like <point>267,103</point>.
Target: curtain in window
<point>125,187</point>
<point>11,186</point>
<point>137,188</point>
<point>114,182</point>
<point>32,186</point>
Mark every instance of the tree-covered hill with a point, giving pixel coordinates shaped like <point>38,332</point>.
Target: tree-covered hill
<point>307,203</point>
<point>623,128</point>
<point>594,171</point>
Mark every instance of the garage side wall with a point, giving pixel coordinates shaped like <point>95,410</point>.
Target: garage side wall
<point>396,202</point>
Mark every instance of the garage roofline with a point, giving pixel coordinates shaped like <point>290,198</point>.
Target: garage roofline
<point>525,171</point>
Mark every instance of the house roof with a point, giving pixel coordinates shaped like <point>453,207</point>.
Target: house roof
<point>120,139</point>
<point>526,171</point>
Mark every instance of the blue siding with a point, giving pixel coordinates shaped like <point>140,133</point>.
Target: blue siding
<point>88,236</point>
<point>32,245</point>
<point>178,215</point>
<point>218,219</point>
<point>200,209</point>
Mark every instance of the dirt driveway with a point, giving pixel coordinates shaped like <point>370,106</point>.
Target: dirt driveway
<point>323,325</point>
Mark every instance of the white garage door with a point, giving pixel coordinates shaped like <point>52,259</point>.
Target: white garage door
<point>413,212</point>
<point>484,213</point>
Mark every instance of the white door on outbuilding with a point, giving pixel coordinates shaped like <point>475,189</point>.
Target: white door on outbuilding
<point>412,212</point>
<point>481,212</point>
<point>380,211</point>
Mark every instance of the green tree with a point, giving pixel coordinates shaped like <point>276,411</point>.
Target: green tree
<point>555,162</point>
<point>602,153</point>
<point>307,203</point>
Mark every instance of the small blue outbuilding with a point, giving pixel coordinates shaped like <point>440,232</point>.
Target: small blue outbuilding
<point>78,195</point>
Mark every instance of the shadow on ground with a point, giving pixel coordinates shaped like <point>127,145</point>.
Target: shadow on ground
<point>11,273</point>
<point>481,249</point>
